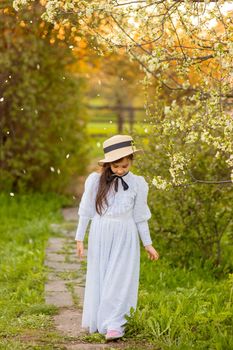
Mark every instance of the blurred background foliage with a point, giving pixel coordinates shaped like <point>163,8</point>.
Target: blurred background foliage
<point>43,122</point>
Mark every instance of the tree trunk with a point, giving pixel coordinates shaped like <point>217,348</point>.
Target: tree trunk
<point>120,116</point>
<point>131,119</point>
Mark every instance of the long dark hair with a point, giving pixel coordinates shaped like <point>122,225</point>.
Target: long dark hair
<point>105,184</point>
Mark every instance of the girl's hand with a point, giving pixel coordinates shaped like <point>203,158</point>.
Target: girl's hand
<point>80,249</point>
<point>152,253</point>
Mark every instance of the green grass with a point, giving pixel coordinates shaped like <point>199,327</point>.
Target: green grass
<point>109,129</point>
<point>101,128</point>
<point>24,230</point>
<point>177,308</point>
<point>182,309</point>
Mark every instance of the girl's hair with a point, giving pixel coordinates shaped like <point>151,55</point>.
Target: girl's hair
<point>105,184</point>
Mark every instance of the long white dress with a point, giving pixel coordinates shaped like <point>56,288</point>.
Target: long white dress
<point>113,253</point>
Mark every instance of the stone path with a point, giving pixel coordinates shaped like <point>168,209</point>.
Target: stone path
<point>65,283</point>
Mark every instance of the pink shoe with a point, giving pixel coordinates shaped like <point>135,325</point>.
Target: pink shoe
<point>112,334</point>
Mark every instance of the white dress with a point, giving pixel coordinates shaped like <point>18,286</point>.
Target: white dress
<point>113,253</point>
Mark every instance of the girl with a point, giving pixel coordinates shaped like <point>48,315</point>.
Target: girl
<point>116,202</point>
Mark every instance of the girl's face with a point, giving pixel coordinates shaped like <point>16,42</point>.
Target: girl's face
<point>121,167</point>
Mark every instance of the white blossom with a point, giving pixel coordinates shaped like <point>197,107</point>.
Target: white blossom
<point>160,183</point>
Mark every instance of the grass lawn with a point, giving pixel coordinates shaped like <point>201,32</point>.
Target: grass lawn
<point>108,129</point>
<point>177,308</point>
<point>183,309</point>
<point>24,230</point>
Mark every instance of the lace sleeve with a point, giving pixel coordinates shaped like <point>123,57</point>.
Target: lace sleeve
<point>141,211</point>
<point>86,209</point>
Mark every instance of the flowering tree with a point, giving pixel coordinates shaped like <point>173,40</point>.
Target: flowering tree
<point>187,48</point>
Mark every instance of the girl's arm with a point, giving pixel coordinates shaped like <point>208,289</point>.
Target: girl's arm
<point>142,214</point>
<point>144,233</point>
<point>80,249</point>
<point>82,227</point>
<point>86,210</point>
<point>80,233</point>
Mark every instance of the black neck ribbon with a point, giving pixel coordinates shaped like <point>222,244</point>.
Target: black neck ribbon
<point>116,177</point>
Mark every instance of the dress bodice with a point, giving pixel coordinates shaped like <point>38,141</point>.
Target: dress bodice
<point>123,200</point>
<point>133,199</point>
<point>123,205</point>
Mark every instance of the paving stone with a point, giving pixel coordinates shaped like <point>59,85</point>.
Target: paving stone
<point>57,228</point>
<point>51,276</point>
<point>71,234</point>
<point>71,241</point>
<point>53,256</point>
<point>52,250</point>
<point>79,291</point>
<point>74,280</point>
<point>81,280</point>
<point>68,260</point>
<point>61,266</point>
<point>68,321</point>
<point>55,244</point>
<point>56,241</point>
<point>70,214</point>
<point>55,286</point>
<point>90,347</point>
<point>60,299</point>
<point>73,251</point>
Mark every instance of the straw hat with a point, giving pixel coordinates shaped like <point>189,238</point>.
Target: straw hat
<point>117,147</point>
